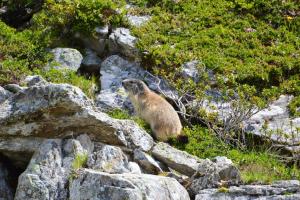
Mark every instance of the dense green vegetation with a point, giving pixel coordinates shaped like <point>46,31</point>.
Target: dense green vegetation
<point>25,51</point>
<point>249,44</point>
<point>252,46</point>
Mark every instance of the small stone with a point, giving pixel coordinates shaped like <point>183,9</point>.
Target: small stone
<point>14,88</point>
<point>102,31</point>
<point>137,21</point>
<point>146,162</point>
<point>65,58</point>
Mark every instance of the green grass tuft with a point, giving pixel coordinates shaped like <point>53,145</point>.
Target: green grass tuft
<point>79,161</point>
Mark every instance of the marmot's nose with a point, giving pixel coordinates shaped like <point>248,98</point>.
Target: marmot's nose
<point>123,82</point>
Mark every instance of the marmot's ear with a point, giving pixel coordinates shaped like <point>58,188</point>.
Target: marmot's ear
<point>141,88</point>
<point>135,89</point>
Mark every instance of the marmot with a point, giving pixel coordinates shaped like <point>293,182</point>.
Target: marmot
<point>154,109</point>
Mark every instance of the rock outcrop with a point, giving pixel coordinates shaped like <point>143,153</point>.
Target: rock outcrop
<point>204,173</point>
<point>45,177</point>
<point>56,110</point>
<point>108,159</point>
<point>75,151</point>
<point>275,123</point>
<point>92,184</point>
<point>283,190</point>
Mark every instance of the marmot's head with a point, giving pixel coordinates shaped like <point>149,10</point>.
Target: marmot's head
<point>135,86</point>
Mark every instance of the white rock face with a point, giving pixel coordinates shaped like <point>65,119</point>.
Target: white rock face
<point>280,190</point>
<point>189,70</point>
<point>102,31</point>
<point>211,173</point>
<point>137,21</point>
<point>49,170</point>
<point>94,185</point>
<point>65,58</point>
<point>277,120</point>
<point>34,80</point>
<point>114,70</point>
<point>272,123</point>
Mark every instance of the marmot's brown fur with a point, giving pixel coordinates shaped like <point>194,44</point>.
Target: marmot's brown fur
<point>154,109</point>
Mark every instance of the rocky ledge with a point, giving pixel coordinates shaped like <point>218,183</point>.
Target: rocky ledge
<point>66,148</point>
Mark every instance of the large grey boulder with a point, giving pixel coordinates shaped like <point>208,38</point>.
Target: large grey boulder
<point>94,185</point>
<point>275,123</point>
<point>6,192</point>
<point>114,70</point>
<point>280,190</point>
<point>47,175</point>
<point>176,159</point>
<point>57,110</point>
<point>121,41</point>
<point>65,58</point>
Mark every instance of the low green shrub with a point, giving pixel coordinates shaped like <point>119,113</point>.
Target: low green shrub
<point>294,106</point>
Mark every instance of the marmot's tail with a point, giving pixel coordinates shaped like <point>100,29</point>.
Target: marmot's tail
<point>184,139</point>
